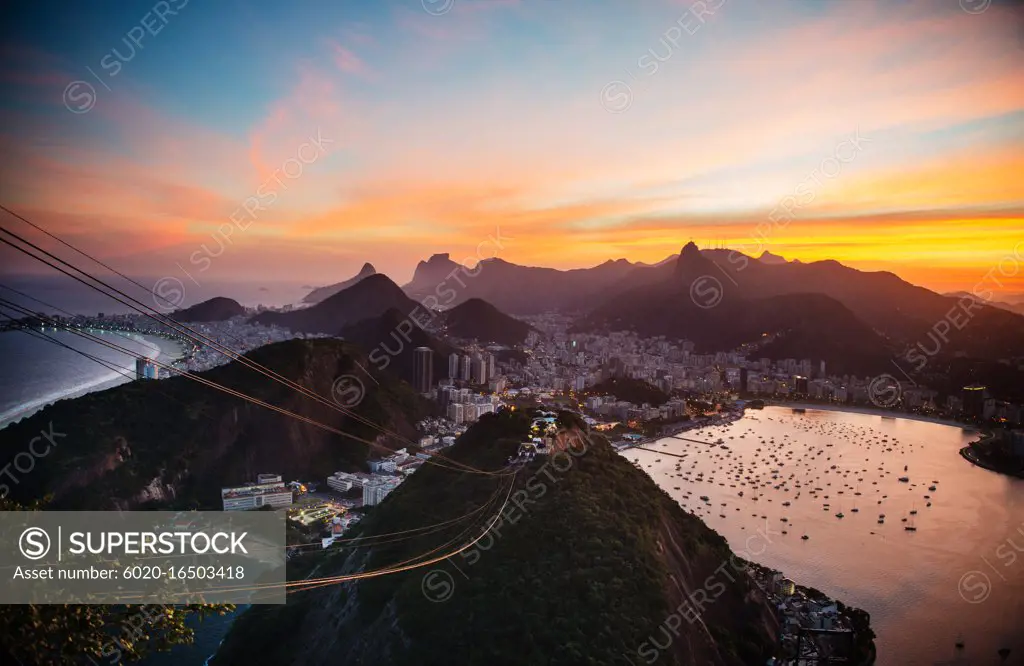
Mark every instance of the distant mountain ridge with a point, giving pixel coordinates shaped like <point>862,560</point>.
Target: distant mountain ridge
<point>517,289</point>
<point>901,313</point>
<point>1015,306</point>
<point>769,258</point>
<point>815,305</point>
<point>513,288</point>
<point>321,293</point>
<point>370,297</point>
<point>697,302</point>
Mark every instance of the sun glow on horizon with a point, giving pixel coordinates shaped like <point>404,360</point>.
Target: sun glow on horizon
<point>899,153</point>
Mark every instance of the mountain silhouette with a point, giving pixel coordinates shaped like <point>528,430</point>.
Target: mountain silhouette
<point>369,297</point>
<point>218,308</point>
<point>320,293</point>
<point>477,319</point>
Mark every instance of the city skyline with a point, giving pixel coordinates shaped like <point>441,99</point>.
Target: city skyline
<point>414,128</point>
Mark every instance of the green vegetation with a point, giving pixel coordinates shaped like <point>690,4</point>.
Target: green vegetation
<point>655,427</point>
<point>568,420</point>
<point>68,634</point>
<point>635,391</point>
<point>575,571</point>
<point>173,443</point>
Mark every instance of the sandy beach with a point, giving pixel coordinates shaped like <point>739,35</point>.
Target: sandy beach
<point>157,347</point>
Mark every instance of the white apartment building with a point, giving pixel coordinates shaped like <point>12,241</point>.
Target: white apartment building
<point>376,490</point>
<point>344,481</point>
<point>255,496</point>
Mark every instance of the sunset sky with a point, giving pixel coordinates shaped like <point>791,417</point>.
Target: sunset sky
<point>580,130</point>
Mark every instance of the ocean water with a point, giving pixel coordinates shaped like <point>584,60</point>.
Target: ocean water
<point>959,576</point>
<point>35,372</point>
<point>66,294</point>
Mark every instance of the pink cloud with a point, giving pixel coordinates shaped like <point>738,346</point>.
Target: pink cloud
<point>314,103</point>
<point>347,61</point>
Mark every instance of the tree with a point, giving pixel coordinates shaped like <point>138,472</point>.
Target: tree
<point>75,634</point>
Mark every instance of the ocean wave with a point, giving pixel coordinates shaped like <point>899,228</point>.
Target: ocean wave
<point>150,348</point>
<point>31,406</point>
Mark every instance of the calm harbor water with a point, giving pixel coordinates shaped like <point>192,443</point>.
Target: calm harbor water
<point>959,576</point>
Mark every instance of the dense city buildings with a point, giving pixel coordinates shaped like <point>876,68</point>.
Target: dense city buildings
<point>557,362</point>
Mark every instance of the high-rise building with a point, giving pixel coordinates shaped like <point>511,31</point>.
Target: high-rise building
<point>467,367</point>
<point>974,400</point>
<point>423,369</point>
<point>453,366</point>
<point>145,368</point>
<point>479,370</point>
<point>375,491</point>
<point>491,365</point>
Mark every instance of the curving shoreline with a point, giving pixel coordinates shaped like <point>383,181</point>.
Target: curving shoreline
<point>970,456</point>
<point>855,409</point>
<point>158,347</point>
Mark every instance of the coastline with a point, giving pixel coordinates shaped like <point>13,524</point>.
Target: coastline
<point>857,620</point>
<point>732,416</point>
<point>875,411</point>
<point>968,454</point>
<point>164,350</point>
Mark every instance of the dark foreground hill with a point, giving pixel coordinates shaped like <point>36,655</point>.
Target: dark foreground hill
<point>175,443</point>
<point>586,564</point>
